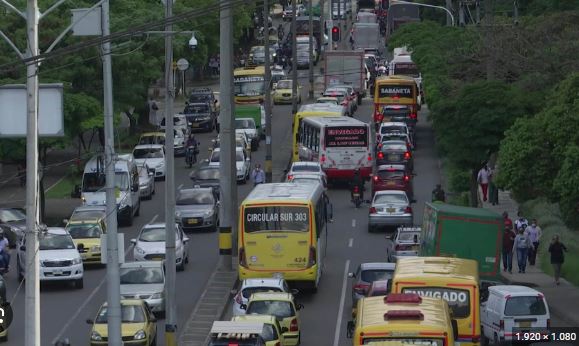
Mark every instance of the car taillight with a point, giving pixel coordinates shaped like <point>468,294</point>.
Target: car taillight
<point>502,324</point>
<point>380,117</point>
<point>377,116</point>
<point>242,259</point>
<point>361,288</point>
<point>406,178</point>
<point>238,298</point>
<point>413,116</point>
<point>356,189</point>
<point>369,157</point>
<point>293,325</point>
<point>376,178</point>
<point>290,177</point>
<point>323,158</point>
<point>312,259</point>
<point>408,210</point>
<point>407,155</point>
<point>372,210</point>
<point>380,155</point>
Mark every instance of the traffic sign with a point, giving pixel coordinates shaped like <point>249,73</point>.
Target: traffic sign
<point>182,64</point>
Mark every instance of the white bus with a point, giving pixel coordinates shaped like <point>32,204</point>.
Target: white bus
<point>340,144</point>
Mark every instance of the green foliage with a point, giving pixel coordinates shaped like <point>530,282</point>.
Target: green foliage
<point>566,184</point>
<point>539,7</point>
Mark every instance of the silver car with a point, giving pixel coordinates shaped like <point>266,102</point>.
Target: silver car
<point>144,280</point>
<point>405,242</point>
<point>309,178</point>
<point>366,274</point>
<point>389,208</point>
<point>146,181</point>
<point>197,208</point>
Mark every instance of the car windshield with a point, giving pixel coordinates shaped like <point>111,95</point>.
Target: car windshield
<point>392,128</point>
<point>152,140</point>
<point>148,153</point>
<point>393,143</point>
<point>409,237</point>
<point>390,174</point>
<point>49,241</point>
<point>247,292</point>
<point>140,276</point>
<point>523,306</point>
<point>390,198</point>
<point>339,96</point>
<point>11,215</point>
<point>94,182</point>
<point>176,121</point>
<point>244,124</point>
<point>334,102</point>
<point>215,156</point>
<point>193,197</point>
<point>129,314</point>
<point>305,168</point>
<point>284,84</point>
<point>372,275</point>
<point>196,109</point>
<point>277,308</point>
<point>207,174</point>
<point>152,235</point>
<point>199,97</point>
<point>239,156</point>
<point>84,231</point>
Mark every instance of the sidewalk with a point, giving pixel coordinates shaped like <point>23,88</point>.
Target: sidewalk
<point>563,299</point>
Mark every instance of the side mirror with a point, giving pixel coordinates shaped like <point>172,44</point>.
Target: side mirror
<point>80,247</point>
<point>295,291</point>
<point>351,275</point>
<point>243,306</point>
<point>23,248</point>
<point>186,240</point>
<point>134,241</point>
<point>89,321</point>
<point>65,221</point>
<point>234,292</point>
<point>299,307</point>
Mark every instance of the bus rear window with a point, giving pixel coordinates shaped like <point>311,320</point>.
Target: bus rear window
<point>276,218</point>
<point>346,137</point>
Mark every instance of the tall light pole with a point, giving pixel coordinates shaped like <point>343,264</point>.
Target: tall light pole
<point>267,101</point>
<point>294,61</point>
<point>32,288</point>
<point>395,2</point>
<point>170,258</point>
<point>311,48</point>
<point>227,170</point>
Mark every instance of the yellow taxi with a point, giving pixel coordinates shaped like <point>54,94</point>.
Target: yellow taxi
<point>272,332</point>
<point>283,307</point>
<point>283,92</point>
<point>152,138</point>
<point>86,227</point>
<point>138,324</point>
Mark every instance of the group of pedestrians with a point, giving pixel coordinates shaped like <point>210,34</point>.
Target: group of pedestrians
<point>522,239</point>
<point>489,190</point>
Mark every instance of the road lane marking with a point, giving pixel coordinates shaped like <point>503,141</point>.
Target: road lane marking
<point>153,219</point>
<point>179,187</point>
<point>353,222</point>
<point>351,242</point>
<point>341,308</point>
<point>83,305</point>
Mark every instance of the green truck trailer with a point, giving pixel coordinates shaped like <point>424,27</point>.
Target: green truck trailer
<point>254,112</point>
<point>472,233</point>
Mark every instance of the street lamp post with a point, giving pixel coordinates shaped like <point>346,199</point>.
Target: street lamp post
<point>395,2</point>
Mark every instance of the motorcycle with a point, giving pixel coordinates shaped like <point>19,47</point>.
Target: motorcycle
<point>356,196</point>
<point>191,155</point>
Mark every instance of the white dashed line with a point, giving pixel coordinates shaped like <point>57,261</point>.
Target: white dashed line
<point>153,219</point>
<point>353,222</point>
<point>179,187</point>
<point>351,242</point>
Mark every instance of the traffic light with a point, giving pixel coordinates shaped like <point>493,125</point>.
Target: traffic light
<point>336,34</point>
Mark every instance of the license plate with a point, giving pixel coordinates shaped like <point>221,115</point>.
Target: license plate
<point>57,272</point>
<point>390,210</point>
<point>414,247</point>
<point>356,195</point>
<point>393,157</point>
<point>192,221</point>
<point>525,324</point>
<point>390,183</point>
<point>158,258</point>
<point>194,125</point>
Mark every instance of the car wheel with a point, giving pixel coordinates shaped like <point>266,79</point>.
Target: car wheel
<point>78,284</point>
<point>370,229</point>
<point>19,270</point>
<point>152,193</point>
<point>138,212</point>
<point>130,218</point>
<point>181,267</point>
<point>154,342</point>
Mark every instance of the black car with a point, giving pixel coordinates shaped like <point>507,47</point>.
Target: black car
<point>399,113</point>
<point>395,152</point>
<point>199,116</point>
<point>206,177</point>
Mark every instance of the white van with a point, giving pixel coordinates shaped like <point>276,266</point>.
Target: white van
<point>509,307</point>
<point>126,186</point>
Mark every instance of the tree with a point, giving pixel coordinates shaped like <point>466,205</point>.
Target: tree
<point>566,184</point>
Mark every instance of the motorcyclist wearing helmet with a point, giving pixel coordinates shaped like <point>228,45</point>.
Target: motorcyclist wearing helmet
<point>438,194</point>
<point>357,181</point>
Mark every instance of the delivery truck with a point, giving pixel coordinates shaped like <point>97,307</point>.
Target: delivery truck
<point>255,112</point>
<point>464,232</point>
<point>346,67</point>
<point>366,37</point>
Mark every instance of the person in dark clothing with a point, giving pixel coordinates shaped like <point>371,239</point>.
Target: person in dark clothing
<point>358,181</point>
<point>557,249</point>
<point>438,194</point>
<point>507,221</point>
<point>508,243</point>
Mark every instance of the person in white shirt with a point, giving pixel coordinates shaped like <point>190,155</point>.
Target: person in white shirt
<point>534,233</point>
<point>484,177</point>
<point>521,221</point>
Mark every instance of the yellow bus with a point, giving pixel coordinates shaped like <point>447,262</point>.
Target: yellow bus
<point>312,110</point>
<point>283,230</point>
<point>455,280</point>
<point>395,90</point>
<point>249,84</point>
<point>402,318</point>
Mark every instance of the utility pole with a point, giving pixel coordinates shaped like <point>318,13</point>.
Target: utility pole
<point>449,8</point>
<point>267,101</point>
<point>170,258</point>
<point>32,284</point>
<point>113,278</point>
<point>461,14</point>
<point>311,48</point>
<point>323,27</point>
<point>227,169</point>
<point>294,61</point>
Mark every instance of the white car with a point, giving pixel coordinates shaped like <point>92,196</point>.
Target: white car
<point>144,280</point>
<point>309,178</point>
<point>150,244</point>
<point>180,123</point>
<point>247,126</point>
<point>58,256</point>
<point>251,286</point>
<point>242,163</point>
<point>302,167</point>
<point>146,181</point>
<point>153,155</point>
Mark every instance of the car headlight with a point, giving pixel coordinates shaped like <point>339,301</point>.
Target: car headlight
<point>76,260</point>
<point>95,248</point>
<point>160,165</point>
<point>140,335</point>
<point>94,336</point>
<point>139,250</point>
<point>208,213</point>
<point>157,295</point>
<point>42,263</point>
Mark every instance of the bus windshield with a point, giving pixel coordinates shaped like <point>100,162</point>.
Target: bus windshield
<point>276,218</point>
<point>249,86</point>
<point>94,182</point>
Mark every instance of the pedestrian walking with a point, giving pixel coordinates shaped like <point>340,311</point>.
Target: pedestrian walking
<point>483,178</point>
<point>508,243</point>
<point>153,108</point>
<point>534,233</point>
<point>521,221</point>
<point>4,253</point>
<point>493,192</point>
<point>521,247</point>
<point>507,221</point>
<point>557,250</point>
<point>258,175</point>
